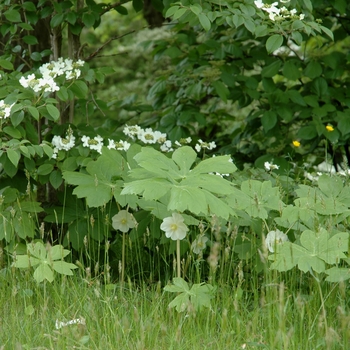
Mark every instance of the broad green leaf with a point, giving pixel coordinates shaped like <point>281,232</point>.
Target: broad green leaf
<point>22,262</point>
<point>137,5</point>
<point>56,179</point>
<point>88,19</point>
<point>268,120</point>
<point>291,71</point>
<point>274,42</point>
<point>196,9</point>
<point>13,132</point>
<point>150,189</point>
<point>13,15</point>
<point>79,89</point>
<point>53,111</point>
<point>220,164</point>
<point>179,285</point>
<point>63,267</point>
<point>14,156</point>
<point>204,21</point>
<point>181,302</point>
<point>43,272</point>
<point>272,69</point>
<point>57,252</point>
<point>45,169</point>
<point>221,89</point>
<point>34,112</point>
<point>184,157</point>
<point>171,11</point>
<point>179,13</point>
<point>337,274</point>
<point>328,32</point>
<point>96,195</point>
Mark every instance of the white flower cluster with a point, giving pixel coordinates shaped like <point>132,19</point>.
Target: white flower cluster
<point>49,71</point>
<point>204,145</point>
<point>5,109</point>
<point>276,13</point>
<point>120,146</point>
<point>95,144</point>
<point>269,166</point>
<point>65,144</point>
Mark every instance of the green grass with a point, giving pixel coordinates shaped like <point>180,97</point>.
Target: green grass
<point>265,311</point>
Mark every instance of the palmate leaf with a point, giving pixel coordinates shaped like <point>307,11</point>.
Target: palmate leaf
<point>316,249</point>
<point>188,189</point>
<point>198,296</point>
<point>256,198</point>
<point>43,272</point>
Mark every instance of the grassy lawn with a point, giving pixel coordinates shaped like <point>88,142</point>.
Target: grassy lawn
<point>265,311</point>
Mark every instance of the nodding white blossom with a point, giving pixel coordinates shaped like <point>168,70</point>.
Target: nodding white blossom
<point>174,227</point>
<point>120,146</point>
<point>123,221</point>
<point>95,144</point>
<point>5,109</point>
<point>269,166</point>
<point>204,145</point>
<point>199,244</point>
<point>275,238</point>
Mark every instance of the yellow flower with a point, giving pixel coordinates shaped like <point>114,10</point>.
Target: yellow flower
<point>296,143</point>
<point>329,128</point>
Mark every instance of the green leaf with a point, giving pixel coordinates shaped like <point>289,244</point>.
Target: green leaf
<point>43,272</point>
<point>56,20</point>
<point>204,21</point>
<point>13,132</point>
<point>221,89</point>
<point>79,89</point>
<point>45,169</point>
<point>56,179</point>
<point>63,267</point>
<point>137,5</point>
<point>6,64</point>
<point>171,11</point>
<point>328,32</point>
<point>179,285</point>
<point>14,156</point>
<point>13,16</point>
<point>196,9</point>
<point>274,42</point>
<point>179,13</point>
<point>33,111</point>
<point>313,70</point>
<point>122,10</point>
<point>337,274</point>
<point>271,70</point>
<point>30,39</point>
<point>290,71</point>
<point>53,111</point>
<point>184,157</point>
<point>88,19</point>
<point>269,120</point>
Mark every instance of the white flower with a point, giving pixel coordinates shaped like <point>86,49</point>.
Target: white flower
<point>204,145</point>
<point>85,140</point>
<point>5,109</point>
<point>174,227</point>
<point>123,221</point>
<point>275,238</point>
<point>269,166</point>
<point>120,146</point>
<point>166,146</point>
<point>301,16</point>
<point>199,244</point>
<point>132,130</point>
<point>259,4</point>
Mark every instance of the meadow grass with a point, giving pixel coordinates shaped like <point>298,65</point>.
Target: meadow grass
<point>268,310</point>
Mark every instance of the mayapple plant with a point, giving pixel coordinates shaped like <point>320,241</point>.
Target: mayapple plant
<point>46,260</point>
